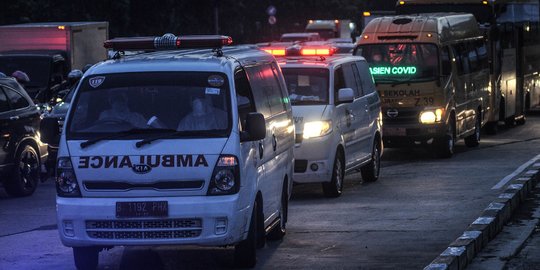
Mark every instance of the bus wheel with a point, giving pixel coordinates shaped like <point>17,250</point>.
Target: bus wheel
<point>474,139</point>
<point>492,128</point>
<point>446,143</point>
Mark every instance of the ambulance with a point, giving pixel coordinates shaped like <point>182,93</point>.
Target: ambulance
<point>337,113</point>
<point>190,143</point>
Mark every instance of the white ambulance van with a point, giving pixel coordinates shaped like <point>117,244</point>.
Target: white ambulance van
<point>337,113</point>
<point>191,144</point>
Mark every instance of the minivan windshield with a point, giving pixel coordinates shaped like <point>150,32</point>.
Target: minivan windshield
<point>187,104</point>
<point>394,63</point>
<point>307,86</point>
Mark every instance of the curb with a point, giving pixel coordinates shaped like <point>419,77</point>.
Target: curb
<point>462,250</point>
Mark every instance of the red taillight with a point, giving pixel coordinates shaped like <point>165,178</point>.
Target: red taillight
<point>167,42</point>
<point>275,51</point>
<point>326,51</point>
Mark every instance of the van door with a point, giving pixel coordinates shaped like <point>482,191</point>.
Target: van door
<point>373,102</point>
<point>5,127</point>
<point>461,84</point>
<point>268,101</point>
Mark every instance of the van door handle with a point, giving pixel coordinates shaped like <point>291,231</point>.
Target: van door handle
<point>274,142</point>
<point>13,118</point>
<point>261,150</point>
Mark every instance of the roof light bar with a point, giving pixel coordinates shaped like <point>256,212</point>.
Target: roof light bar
<point>322,51</point>
<point>275,51</point>
<point>167,42</point>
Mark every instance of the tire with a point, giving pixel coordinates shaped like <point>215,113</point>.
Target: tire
<point>474,139</point>
<point>370,171</point>
<point>334,188</point>
<point>521,121</point>
<point>445,145</point>
<point>245,252</point>
<point>492,128</point>
<point>26,174</point>
<point>280,230</point>
<point>86,258</point>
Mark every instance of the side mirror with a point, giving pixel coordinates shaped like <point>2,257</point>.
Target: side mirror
<point>49,130</point>
<point>345,95</point>
<point>255,127</point>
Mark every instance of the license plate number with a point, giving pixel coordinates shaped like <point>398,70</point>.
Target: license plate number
<point>142,209</point>
<point>395,131</point>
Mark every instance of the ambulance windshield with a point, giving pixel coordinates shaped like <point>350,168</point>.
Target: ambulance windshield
<point>194,104</point>
<point>402,61</point>
<point>307,86</point>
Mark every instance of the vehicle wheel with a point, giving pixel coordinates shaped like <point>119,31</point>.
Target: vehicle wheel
<point>370,171</point>
<point>521,121</point>
<point>25,176</point>
<point>86,258</point>
<point>446,143</point>
<point>245,252</point>
<point>474,139</point>
<point>280,230</point>
<point>492,128</point>
<point>334,188</point>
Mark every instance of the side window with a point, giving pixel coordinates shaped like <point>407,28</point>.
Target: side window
<point>473,57</point>
<point>281,82</point>
<point>257,89</point>
<point>482,53</point>
<point>462,63</point>
<point>339,81</point>
<point>445,62</point>
<point>358,80</point>
<point>16,100</point>
<point>366,78</point>
<point>350,81</point>
<point>4,105</point>
<point>272,90</point>
<point>244,99</point>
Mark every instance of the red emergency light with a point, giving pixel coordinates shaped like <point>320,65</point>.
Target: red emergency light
<point>317,51</point>
<point>167,42</point>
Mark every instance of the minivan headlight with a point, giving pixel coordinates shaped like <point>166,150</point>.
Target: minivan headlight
<point>317,129</point>
<point>431,116</point>
<point>66,182</point>
<point>226,176</point>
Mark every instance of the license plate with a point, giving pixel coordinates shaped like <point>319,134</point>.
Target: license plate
<point>395,132</point>
<point>142,209</point>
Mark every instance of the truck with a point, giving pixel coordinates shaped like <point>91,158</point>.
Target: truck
<point>331,28</point>
<point>48,51</point>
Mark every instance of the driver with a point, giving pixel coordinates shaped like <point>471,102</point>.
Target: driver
<point>203,116</point>
<point>120,111</point>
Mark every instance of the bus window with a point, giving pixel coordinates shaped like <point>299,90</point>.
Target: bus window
<point>482,53</point>
<point>445,62</point>
<point>460,54</point>
<point>473,58</point>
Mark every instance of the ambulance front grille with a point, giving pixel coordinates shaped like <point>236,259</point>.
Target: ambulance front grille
<point>124,186</point>
<point>144,229</point>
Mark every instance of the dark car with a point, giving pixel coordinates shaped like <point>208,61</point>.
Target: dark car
<point>21,151</point>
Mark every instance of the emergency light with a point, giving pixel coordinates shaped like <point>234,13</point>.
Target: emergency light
<point>167,42</point>
<point>301,51</point>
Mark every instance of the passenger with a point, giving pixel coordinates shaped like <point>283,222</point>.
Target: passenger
<point>203,116</point>
<point>120,111</point>
<point>21,77</point>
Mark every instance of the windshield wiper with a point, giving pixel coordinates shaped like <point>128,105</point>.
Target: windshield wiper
<point>198,133</point>
<point>124,133</point>
<point>398,82</point>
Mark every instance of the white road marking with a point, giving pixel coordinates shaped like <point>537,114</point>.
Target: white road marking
<point>516,172</point>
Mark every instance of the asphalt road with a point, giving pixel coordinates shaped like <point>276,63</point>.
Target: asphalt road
<point>403,221</point>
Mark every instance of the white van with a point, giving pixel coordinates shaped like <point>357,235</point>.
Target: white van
<point>337,113</point>
<point>175,147</point>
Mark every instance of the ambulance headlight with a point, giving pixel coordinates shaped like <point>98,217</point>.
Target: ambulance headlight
<point>226,177</point>
<point>66,182</point>
<point>317,129</point>
<point>431,116</point>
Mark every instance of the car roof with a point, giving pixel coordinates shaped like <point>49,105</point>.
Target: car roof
<point>183,60</point>
<point>317,62</point>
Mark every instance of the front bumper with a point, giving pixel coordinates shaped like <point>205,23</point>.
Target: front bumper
<point>317,152</point>
<point>201,220</point>
<point>407,135</point>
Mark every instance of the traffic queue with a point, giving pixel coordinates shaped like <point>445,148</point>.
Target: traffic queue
<point>187,140</point>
